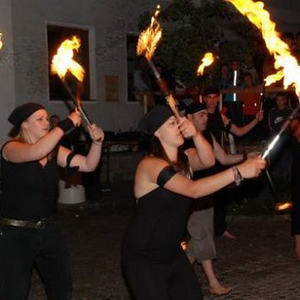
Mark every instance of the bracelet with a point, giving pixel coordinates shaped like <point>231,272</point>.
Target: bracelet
<point>238,178</point>
<point>228,126</point>
<point>65,125</point>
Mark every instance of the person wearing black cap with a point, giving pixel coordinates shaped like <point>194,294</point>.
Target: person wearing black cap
<point>217,124</point>
<point>29,235</point>
<point>201,246</point>
<point>153,261</point>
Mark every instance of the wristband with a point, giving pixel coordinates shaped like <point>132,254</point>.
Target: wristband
<point>228,126</point>
<point>238,178</point>
<point>65,125</point>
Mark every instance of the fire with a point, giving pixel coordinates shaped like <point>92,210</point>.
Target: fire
<point>63,61</point>
<point>283,206</point>
<point>172,104</point>
<point>285,64</point>
<point>150,37</point>
<point>207,60</point>
<point>1,43</point>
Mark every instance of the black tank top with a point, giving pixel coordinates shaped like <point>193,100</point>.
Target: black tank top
<point>157,228</point>
<point>215,125</point>
<point>29,190</point>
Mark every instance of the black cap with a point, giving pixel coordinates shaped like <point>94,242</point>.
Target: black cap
<point>22,112</point>
<point>211,90</point>
<point>155,118</point>
<point>195,107</point>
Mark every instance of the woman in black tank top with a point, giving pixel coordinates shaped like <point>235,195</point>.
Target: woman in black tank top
<point>153,262</point>
<point>28,233</point>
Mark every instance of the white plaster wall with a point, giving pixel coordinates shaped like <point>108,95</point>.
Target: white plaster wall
<point>7,82</point>
<point>23,67</point>
<point>110,21</point>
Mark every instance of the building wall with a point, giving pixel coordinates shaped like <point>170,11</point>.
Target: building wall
<point>7,78</point>
<point>25,24</point>
<point>23,60</point>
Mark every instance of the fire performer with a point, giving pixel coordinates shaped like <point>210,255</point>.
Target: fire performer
<point>201,246</point>
<point>217,124</point>
<point>295,192</point>
<point>29,234</point>
<point>153,261</point>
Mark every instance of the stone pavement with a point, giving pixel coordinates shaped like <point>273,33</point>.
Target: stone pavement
<point>260,264</point>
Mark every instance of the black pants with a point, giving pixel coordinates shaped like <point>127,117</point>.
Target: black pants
<point>222,200</point>
<point>21,249</point>
<point>153,281</point>
<point>295,194</point>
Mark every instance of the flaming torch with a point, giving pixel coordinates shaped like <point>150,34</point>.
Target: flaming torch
<point>146,46</point>
<point>286,64</point>
<point>206,61</point>
<point>63,62</point>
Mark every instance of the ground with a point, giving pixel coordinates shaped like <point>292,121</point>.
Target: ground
<point>260,264</point>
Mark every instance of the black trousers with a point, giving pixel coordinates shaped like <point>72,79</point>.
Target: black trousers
<point>162,281</point>
<point>21,249</point>
<point>295,195</point>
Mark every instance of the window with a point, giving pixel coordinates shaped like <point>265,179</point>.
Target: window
<point>131,62</point>
<point>56,35</point>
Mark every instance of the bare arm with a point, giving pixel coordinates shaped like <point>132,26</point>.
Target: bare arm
<point>149,169</point>
<point>202,156</point>
<point>240,131</point>
<point>89,162</point>
<point>223,157</point>
<point>17,151</point>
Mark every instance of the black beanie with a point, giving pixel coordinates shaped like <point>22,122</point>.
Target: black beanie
<point>22,112</point>
<point>155,118</point>
<point>211,90</point>
<point>195,107</point>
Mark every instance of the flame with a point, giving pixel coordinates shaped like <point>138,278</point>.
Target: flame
<point>172,104</point>
<point>285,63</point>
<point>63,61</point>
<point>150,37</point>
<point>283,205</point>
<point>206,60</point>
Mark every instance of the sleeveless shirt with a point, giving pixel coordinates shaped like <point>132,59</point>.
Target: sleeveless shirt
<point>29,190</point>
<point>158,226</point>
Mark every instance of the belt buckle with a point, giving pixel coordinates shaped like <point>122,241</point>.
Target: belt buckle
<point>41,224</point>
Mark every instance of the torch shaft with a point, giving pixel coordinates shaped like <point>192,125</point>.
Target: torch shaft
<point>164,89</point>
<point>154,70</point>
<point>79,107</point>
<point>277,136</point>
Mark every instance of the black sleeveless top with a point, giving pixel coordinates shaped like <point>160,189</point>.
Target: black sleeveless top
<point>215,125</point>
<point>29,190</point>
<point>206,201</point>
<point>158,226</point>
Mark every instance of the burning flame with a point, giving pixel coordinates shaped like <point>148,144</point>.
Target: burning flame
<point>150,37</point>
<point>285,63</point>
<point>63,61</point>
<point>1,43</point>
<point>283,206</point>
<point>207,60</point>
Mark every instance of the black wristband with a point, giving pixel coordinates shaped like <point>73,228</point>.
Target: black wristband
<point>228,126</point>
<point>65,125</point>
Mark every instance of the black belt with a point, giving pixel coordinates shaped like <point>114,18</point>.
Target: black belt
<point>33,224</point>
